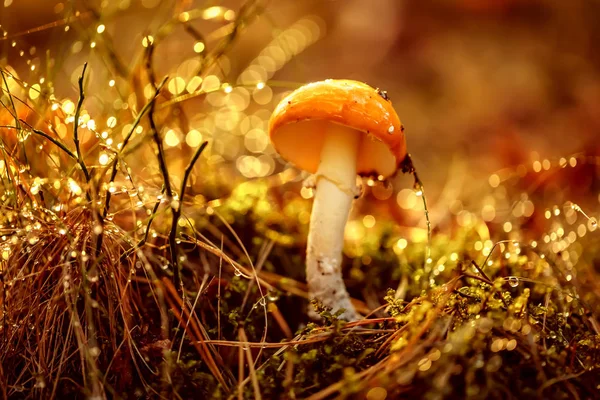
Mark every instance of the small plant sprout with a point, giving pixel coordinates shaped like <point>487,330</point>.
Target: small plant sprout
<point>336,129</point>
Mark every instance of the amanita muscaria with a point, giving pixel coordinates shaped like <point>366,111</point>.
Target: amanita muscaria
<point>336,129</point>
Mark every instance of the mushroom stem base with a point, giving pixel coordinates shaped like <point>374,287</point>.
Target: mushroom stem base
<point>336,177</point>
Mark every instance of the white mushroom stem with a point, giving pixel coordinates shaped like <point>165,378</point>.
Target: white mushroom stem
<point>336,182</point>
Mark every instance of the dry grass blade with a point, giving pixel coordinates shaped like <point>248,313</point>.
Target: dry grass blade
<point>252,372</point>
<point>68,298</point>
<point>198,339</point>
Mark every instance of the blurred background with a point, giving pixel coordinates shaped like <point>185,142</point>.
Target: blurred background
<point>499,98</point>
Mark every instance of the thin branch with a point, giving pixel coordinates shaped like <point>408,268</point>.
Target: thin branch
<point>162,162</point>
<point>15,115</point>
<point>115,164</point>
<point>12,103</point>
<point>53,140</point>
<point>407,166</point>
<point>155,135</point>
<point>188,171</point>
<point>160,155</point>
<point>146,233</point>
<point>177,210</point>
<point>118,156</point>
<point>478,268</point>
<point>76,129</point>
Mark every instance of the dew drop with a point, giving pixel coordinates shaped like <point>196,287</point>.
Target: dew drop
<point>93,277</point>
<point>273,296</point>
<point>513,281</point>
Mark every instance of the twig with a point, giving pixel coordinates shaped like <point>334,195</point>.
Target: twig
<point>408,167</point>
<point>493,248</point>
<point>145,238</point>
<point>114,171</point>
<point>163,169</point>
<point>480,270</point>
<point>188,170</point>
<point>115,161</point>
<point>177,213</point>
<point>155,135</point>
<point>15,115</point>
<point>12,103</point>
<point>53,140</point>
<point>76,130</point>
<point>477,277</point>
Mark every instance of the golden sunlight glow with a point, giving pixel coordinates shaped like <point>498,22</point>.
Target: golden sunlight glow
<point>199,47</point>
<point>213,12</point>
<point>68,107</point>
<point>172,138</point>
<point>193,138</point>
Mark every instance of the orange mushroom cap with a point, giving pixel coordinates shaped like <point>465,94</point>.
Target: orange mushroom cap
<point>298,125</point>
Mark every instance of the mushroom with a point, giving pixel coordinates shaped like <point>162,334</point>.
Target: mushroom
<point>336,129</point>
